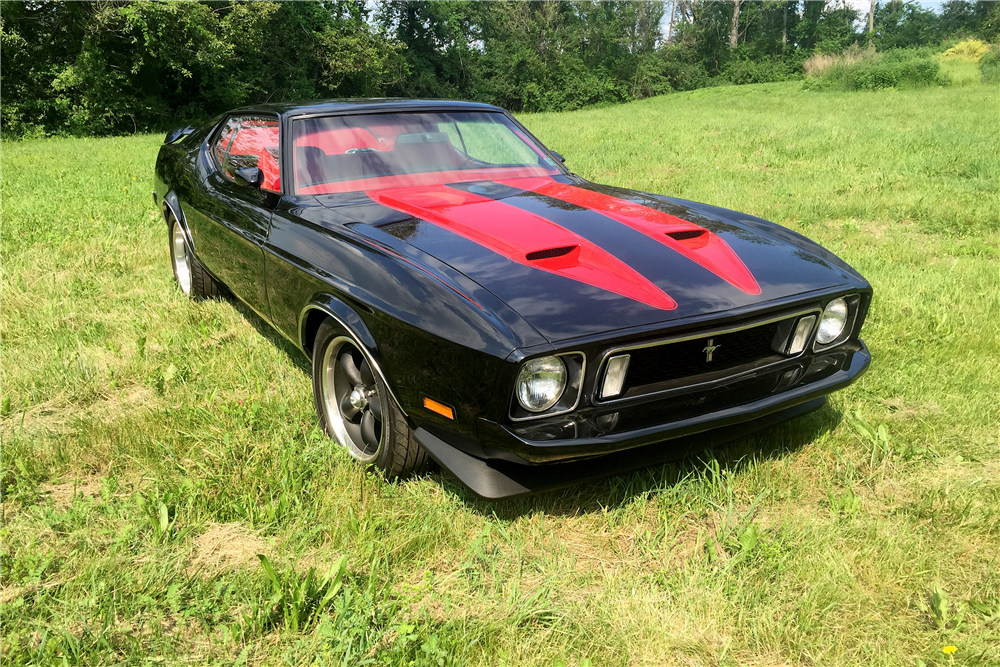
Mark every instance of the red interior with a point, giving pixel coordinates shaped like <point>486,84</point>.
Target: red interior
<point>259,137</point>
<point>343,140</point>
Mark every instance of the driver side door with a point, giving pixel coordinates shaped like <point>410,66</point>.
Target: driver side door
<point>230,223</point>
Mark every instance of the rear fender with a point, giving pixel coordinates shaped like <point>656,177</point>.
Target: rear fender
<point>176,135</point>
<point>171,206</point>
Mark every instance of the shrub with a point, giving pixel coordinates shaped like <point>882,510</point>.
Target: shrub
<point>820,62</point>
<point>971,49</point>
<point>740,71</point>
<point>900,68</point>
<point>989,66</point>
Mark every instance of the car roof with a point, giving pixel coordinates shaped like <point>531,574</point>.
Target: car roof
<point>364,105</point>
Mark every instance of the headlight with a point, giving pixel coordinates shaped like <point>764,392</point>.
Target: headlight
<point>833,322</point>
<point>540,383</point>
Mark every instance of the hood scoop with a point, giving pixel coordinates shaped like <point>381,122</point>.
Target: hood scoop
<point>503,229</point>
<point>696,243</point>
<point>550,253</point>
<point>687,234</point>
<point>693,239</point>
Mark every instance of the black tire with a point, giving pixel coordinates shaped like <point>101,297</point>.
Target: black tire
<point>397,455</point>
<point>190,275</point>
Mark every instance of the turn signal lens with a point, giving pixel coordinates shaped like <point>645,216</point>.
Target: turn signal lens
<point>614,378</point>
<point>833,322</point>
<point>801,337</point>
<point>440,408</point>
<point>540,383</point>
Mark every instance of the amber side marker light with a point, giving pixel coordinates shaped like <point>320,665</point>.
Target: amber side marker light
<point>439,408</point>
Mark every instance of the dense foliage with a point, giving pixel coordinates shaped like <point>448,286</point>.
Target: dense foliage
<point>898,68</point>
<point>989,65</point>
<point>120,67</point>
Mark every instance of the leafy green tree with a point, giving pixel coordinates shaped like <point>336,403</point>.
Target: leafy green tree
<point>122,67</point>
<point>441,61</point>
<point>901,25</point>
<point>835,29</point>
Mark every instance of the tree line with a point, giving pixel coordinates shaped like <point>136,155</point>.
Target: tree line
<point>114,67</point>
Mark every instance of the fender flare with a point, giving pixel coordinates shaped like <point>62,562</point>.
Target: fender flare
<point>355,327</point>
<point>173,204</point>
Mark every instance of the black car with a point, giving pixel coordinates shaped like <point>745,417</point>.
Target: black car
<point>464,297</point>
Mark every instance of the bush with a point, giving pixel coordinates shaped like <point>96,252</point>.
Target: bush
<point>820,62</point>
<point>989,66</point>
<point>971,49</point>
<point>900,68</point>
<point>740,71</point>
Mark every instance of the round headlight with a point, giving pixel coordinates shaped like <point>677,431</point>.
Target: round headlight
<point>833,322</point>
<point>540,383</point>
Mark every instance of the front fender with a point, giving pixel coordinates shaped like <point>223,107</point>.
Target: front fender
<point>426,338</point>
<point>328,305</point>
<point>324,306</point>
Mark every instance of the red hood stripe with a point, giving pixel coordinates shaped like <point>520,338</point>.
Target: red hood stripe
<point>513,233</point>
<point>707,249</point>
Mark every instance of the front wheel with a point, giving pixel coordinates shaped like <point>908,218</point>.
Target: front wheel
<point>355,407</point>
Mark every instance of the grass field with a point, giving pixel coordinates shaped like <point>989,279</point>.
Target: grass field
<point>152,446</point>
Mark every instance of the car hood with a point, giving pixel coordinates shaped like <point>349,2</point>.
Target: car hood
<point>574,258</point>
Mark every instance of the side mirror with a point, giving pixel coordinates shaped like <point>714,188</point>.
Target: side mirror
<point>559,156</point>
<point>249,176</point>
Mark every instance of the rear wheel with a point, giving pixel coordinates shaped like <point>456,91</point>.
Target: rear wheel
<point>190,275</point>
<point>180,257</point>
<point>355,407</point>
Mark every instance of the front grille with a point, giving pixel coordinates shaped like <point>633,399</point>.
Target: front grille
<point>681,363</point>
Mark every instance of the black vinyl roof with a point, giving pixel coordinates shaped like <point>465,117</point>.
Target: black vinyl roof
<point>385,104</point>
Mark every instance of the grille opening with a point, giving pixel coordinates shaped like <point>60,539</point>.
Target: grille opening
<point>677,364</point>
<point>549,253</point>
<point>687,234</point>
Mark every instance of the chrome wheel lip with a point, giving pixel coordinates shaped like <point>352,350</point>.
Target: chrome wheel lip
<point>329,370</point>
<point>182,261</point>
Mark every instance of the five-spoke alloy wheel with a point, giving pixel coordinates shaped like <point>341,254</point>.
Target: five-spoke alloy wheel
<point>351,399</point>
<point>357,410</point>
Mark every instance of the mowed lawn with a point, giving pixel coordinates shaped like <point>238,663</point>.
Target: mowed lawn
<point>153,446</point>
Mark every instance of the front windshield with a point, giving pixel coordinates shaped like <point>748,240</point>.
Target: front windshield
<point>377,151</point>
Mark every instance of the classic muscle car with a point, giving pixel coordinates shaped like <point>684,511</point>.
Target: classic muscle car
<point>466,298</point>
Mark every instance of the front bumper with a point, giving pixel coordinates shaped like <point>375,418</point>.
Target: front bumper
<point>597,442</point>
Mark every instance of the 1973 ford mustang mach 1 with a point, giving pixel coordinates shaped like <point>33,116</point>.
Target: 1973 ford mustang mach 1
<point>464,297</point>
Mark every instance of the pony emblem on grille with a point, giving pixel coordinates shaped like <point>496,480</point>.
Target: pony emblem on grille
<point>710,349</point>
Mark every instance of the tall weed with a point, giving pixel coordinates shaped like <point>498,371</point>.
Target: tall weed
<point>900,68</point>
<point>820,62</point>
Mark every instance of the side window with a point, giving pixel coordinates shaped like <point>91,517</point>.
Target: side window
<point>221,148</point>
<point>250,141</point>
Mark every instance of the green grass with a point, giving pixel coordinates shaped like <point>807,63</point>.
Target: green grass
<point>152,446</point>
<point>960,72</point>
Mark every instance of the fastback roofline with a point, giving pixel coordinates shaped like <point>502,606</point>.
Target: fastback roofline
<point>363,105</point>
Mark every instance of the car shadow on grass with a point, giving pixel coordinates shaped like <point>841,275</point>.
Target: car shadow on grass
<point>294,354</point>
<point>618,491</point>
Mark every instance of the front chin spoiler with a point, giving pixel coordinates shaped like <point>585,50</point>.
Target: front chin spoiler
<point>500,480</point>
